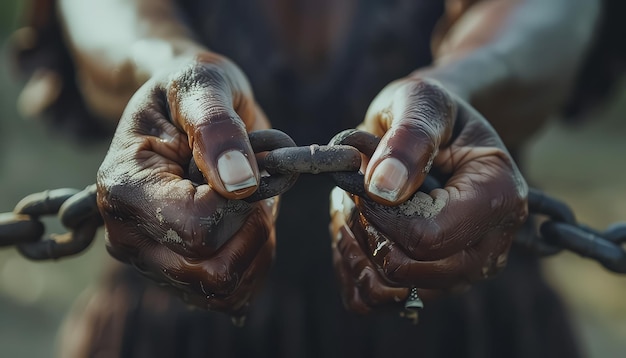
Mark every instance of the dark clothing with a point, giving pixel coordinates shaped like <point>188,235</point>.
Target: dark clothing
<point>604,67</point>
<point>386,41</point>
<point>515,315</point>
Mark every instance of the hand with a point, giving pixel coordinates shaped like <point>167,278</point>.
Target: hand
<point>438,241</point>
<point>195,237</point>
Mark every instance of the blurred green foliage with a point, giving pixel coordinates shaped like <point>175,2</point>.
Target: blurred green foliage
<point>9,10</point>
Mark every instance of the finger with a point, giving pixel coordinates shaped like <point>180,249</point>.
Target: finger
<point>39,93</point>
<point>197,292</point>
<point>436,225</point>
<point>362,286</point>
<point>417,123</point>
<point>340,208</point>
<point>142,180</point>
<point>219,274</point>
<point>362,298</point>
<point>485,191</point>
<point>203,104</point>
<point>459,270</point>
<point>360,289</point>
<point>354,299</point>
<point>235,303</point>
<point>158,204</point>
<point>255,275</point>
<point>224,282</point>
<point>376,292</point>
<point>192,221</point>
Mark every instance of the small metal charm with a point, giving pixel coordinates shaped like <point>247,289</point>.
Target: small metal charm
<point>413,302</point>
<point>412,305</point>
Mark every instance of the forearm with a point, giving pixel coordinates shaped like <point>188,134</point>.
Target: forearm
<point>117,45</point>
<point>515,60</point>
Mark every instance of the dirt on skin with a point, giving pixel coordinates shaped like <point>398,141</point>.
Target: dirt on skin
<point>582,165</point>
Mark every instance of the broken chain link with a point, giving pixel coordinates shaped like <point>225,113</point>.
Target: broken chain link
<point>283,161</point>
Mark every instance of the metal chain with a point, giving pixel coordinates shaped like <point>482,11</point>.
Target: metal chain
<point>283,161</point>
<point>76,210</point>
<point>277,155</point>
<point>560,230</point>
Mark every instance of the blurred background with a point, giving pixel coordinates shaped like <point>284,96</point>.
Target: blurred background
<point>583,165</point>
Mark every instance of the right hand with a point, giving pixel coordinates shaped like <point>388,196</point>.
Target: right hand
<point>213,250</point>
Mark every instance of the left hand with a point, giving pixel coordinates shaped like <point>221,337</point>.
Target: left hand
<point>438,241</point>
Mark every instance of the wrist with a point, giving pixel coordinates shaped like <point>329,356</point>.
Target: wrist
<point>487,82</point>
<point>151,57</point>
<point>107,83</point>
<point>472,76</point>
<point>443,78</point>
<point>119,45</point>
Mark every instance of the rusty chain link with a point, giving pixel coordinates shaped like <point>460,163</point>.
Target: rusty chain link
<point>283,161</point>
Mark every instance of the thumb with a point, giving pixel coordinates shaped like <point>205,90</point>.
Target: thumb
<point>416,117</point>
<point>217,135</point>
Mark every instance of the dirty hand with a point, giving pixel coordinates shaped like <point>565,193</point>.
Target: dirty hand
<point>438,241</point>
<point>215,251</point>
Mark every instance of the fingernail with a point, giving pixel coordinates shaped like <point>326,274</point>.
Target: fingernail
<point>388,179</point>
<point>235,171</point>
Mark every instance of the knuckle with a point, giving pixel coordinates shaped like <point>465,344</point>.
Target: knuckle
<point>223,277</point>
<point>198,74</point>
<point>395,269</point>
<point>517,216</point>
<point>111,197</point>
<point>220,119</point>
<point>428,88</point>
<point>373,295</point>
<point>512,202</point>
<point>430,101</point>
<point>373,289</point>
<point>423,239</point>
<point>209,70</point>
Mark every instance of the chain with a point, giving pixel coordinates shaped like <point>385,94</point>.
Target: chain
<point>77,211</point>
<point>277,155</point>
<point>282,162</point>
<point>560,230</point>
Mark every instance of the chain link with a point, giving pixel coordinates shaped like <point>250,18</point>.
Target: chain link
<point>281,162</point>
<point>77,211</point>
<point>278,157</point>
<point>554,228</point>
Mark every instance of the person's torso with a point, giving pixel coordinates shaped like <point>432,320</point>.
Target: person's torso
<point>316,65</point>
<point>299,313</point>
